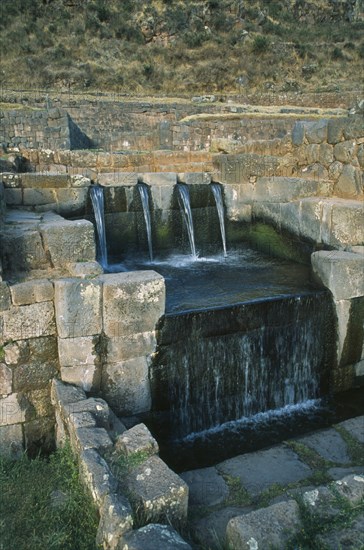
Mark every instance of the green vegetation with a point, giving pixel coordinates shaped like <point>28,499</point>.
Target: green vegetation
<point>314,524</point>
<point>355,449</point>
<point>43,505</point>
<point>122,464</point>
<point>238,495</point>
<point>170,46</point>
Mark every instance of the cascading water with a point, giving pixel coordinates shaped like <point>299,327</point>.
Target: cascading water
<point>144,195</point>
<point>97,199</point>
<point>185,206</point>
<point>216,366</point>
<point>216,189</point>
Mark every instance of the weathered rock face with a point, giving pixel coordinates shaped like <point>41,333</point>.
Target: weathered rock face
<point>265,527</point>
<point>131,467</point>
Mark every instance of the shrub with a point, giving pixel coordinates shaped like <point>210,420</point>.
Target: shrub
<point>261,44</point>
<point>337,54</point>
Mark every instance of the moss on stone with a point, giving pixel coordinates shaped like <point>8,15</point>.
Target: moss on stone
<point>267,239</point>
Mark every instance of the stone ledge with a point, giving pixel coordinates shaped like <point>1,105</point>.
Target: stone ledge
<point>341,272</point>
<point>264,528</point>
<point>159,490</point>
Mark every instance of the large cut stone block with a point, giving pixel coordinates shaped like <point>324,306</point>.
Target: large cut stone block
<point>87,377</point>
<point>137,440</point>
<point>11,441</point>
<point>84,269</point>
<point>80,363</point>
<point>68,241</point>
<point>285,189</point>
<point>32,321</point>
<point>115,519</point>
<point>97,407</point>
<point>347,222</point>
<point>78,352</point>
<point>311,219</point>
<point>84,438</point>
<point>157,491</point>
<point>43,181</point>
<point>38,197</point>
<point>265,528</point>
<point>78,307</point>
<point>206,487</point>
<point>30,292</point>
<point>116,179</point>
<point>341,272</point>
<point>132,302</point>
<point>71,201</point>
<point>13,410</point>
<point>37,364</point>
<point>316,132</point>
<point>126,386</point>
<point>350,183</point>
<point>96,475</point>
<point>4,296</point>
<point>6,380</point>
<point>154,536</point>
<point>260,470</point>
<point>64,394</point>
<point>194,178</point>
<point>132,345</point>
<point>29,250</point>
<point>158,178</point>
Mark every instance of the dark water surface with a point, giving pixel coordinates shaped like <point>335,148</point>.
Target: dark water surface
<point>243,359</point>
<point>216,281</point>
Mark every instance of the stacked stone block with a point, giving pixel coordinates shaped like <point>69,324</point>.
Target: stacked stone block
<point>106,461</point>
<point>28,362</point>
<point>106,334</point>
<point>342,273</point>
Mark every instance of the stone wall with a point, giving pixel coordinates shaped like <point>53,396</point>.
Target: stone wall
<point>96,331</point>
<point>145,126</point>
<point>123,473</point>
<point>41,129</point>
<point>92,163</point>
<point>314,193</point>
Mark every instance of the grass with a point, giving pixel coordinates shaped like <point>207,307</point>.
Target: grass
<point>122,464</point>
<point>31,517</point>
<point>155,46</point>
<point>238,495</point>
<point>355,448</point>
<point>314,524</point>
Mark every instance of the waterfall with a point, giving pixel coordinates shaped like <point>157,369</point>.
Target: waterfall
<point>185,206</point>
<point>216,189</point>
<point>235,362</point>
<point>97,199</point>
<point>144,195</point>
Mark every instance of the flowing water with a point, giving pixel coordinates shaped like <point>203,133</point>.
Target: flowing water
<point>97,199</point>
<point>216,189</point>
<point>144,195</point>
<point>185,206</point>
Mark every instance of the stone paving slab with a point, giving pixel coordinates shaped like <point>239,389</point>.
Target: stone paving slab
<point>350,538</point>
<point>264,528</point>
<point>153,537</point>
<point>258,471</point>
<point>329,444</point>
<point>355,427</point>
<point>339,473</point>
<point>210,531</point>
<point>207,487</point>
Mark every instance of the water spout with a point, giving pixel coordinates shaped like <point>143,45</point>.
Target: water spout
<point>185,206</point>
<point>143,190</point>
<point>97,199</point>
<point>216,189</point>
